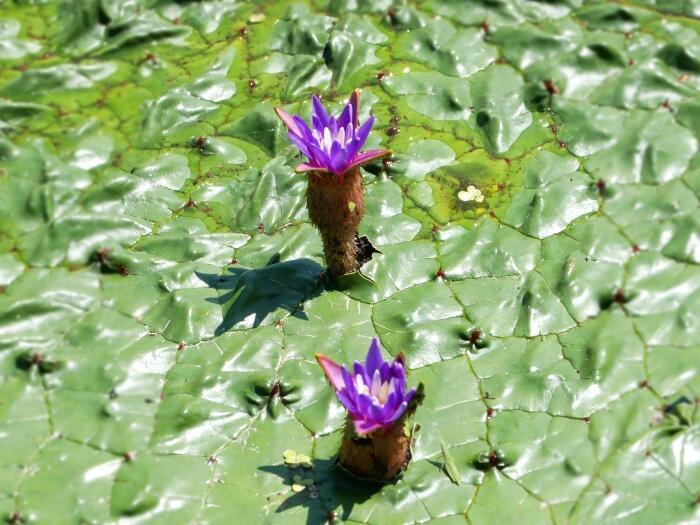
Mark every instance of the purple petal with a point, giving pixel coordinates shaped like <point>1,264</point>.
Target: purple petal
<point>367,156</point>
<point>337,158</point>
<point>374,358</point>
<point>332,370</point>
<point>376,413</point>
<point>363,427</point>
<point>362,133</point>
<point>346,117</point>
<point>385,371</point>
<point>347,400</point>
<point>358,369</point>
<point>318,126</point>
<point>351,149</point>
<point>301,144</point>
<point>320,111</point>
<point>355,103</point>
<point>287,120</point>
<point>347,381</point>
<point>399,375</point>
<point>398,413</point>
<point>319,156</point>
<point>304,131</point>
<point>392,402</point>
<point>309,167</point>
<point>364,404</point>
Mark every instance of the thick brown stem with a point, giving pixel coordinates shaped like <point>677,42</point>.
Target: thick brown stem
<point>336,210</point>
<point>381,456</point>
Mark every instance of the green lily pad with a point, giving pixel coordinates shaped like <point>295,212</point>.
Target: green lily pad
<point>163,292</point>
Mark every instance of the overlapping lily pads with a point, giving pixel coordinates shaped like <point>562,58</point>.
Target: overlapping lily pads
<point>163,293</point>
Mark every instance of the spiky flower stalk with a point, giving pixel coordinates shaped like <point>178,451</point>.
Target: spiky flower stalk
<point>335,196</point>
<point>375,443</point>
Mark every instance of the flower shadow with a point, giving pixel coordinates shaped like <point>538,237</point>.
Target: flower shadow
<point>253,296</point>
<point>333,494</point>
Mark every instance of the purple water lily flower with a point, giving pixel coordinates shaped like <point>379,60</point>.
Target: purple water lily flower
<point>374,393</point>
<point>334,144</point>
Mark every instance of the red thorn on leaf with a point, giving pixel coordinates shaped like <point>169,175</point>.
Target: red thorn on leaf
<point>627,34</point>
<point>381,76</point>
<point>551,87</point>
<point>489,412</point>
<point>635,248</point>
<point>211,460</point>
<point>501,186</point>
<point>14,518</point>
<point>619,296</point>
<point>644,383</point>
<point>181,345</point>
<point>553,128</point>
<point>189,203</point>
<point>474,336</point>
<point>436,228</point>
<point>485,27</point>
<point>252,83</point>
<point>102,254</point>
<point>128,457</point>
<point>242,32</point>
<point>279,324</point>
<point>440,273</point>
<point>37,358</point>
<point>587,420</point>
<point>647,453</point>
<point>666,105</point>
<point>330,517</point>
<point>562,144</point>
<point>600,185</point>
<point>261,228</point>
<point>630,62</point>
<point>684,77</point>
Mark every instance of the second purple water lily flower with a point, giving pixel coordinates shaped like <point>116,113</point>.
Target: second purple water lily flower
<point>332,144</point>
<point>374,393</point>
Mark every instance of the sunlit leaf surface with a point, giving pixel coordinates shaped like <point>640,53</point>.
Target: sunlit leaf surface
<point>162,295</point>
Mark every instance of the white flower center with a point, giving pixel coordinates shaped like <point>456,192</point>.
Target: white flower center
<point>378,390</point>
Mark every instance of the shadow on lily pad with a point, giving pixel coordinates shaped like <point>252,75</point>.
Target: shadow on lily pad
<point>251,297</point>
<point>326,490</point>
